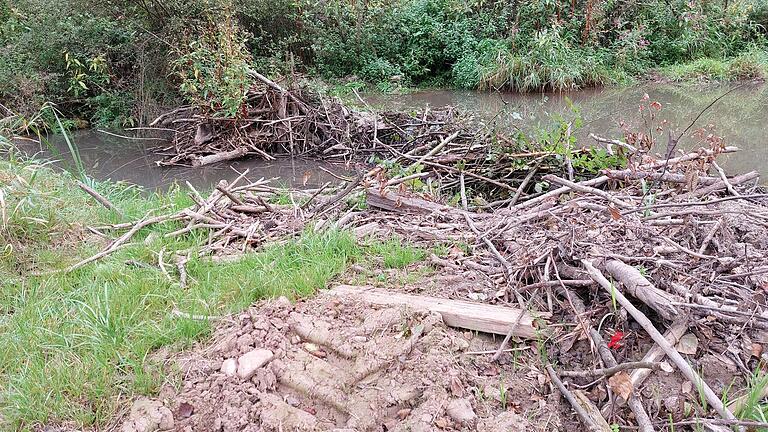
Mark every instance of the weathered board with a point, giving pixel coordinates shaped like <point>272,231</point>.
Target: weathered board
<point>456,313</point>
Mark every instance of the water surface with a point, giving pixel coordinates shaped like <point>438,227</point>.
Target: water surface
<point>740,118</point>
<point>106,157</point>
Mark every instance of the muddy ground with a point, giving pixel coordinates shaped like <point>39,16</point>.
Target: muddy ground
<point>338,364</point>
<point>341,364</point>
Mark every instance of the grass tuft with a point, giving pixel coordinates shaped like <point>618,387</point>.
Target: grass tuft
<point>74,344</point>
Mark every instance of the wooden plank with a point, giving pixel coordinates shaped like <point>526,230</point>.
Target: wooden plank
<point>456,313</point>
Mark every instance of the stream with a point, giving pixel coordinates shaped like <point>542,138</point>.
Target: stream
<point>740,118</point>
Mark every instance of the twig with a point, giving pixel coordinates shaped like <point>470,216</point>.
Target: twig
<point>710,236</point>
<point>657,337</point>
<point>586,189</point>
<point>612,370</point>
<point>100,198</point>
<point>695,203</point>
<point>728,184</point>
<point>585,417</point>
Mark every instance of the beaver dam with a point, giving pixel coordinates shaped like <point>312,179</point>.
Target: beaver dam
<point>575,288</point>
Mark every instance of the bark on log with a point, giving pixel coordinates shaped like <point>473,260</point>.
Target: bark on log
<point>220,157</point>
<point>395,202</point>
<point>642,289</point>
<point>456,313</point>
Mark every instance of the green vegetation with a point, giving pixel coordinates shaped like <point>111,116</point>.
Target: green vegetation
<point>116,63</point>
<point>75,343</point>
<point>396,254</point>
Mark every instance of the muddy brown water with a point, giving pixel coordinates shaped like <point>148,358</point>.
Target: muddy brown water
<point>741,118</point>
<point>106,157</point>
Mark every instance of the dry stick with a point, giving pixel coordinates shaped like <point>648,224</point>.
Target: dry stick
<point>314,195</point>
<point>656,353</point>
<point>597,181</point>
<point>643,421</point>
<point>523,185</point>
<point>657,337</point>
<point>469,173</point>
<point>629,174</point>
<point>585,189</point>
<point>99,197</point>
<point>615,142</point>
<point>463,193</point>
<point>504,343</point>
<point>432,152</point>
<point>397,180</point>
<point>586,418</point>
<point>739,179</point>
<point>612,370</point>
<point>82,263</point>
<point>710,236</point>
<point>695,203</point>
<point>684,249</point>
<point>221,188</point>
<point>131,138</point>
<point>728,184</point>
<point>339,196</point>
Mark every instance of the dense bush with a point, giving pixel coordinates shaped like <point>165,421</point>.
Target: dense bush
<point>113,62</point>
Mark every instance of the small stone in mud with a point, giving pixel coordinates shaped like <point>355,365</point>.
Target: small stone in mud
<point>229,367</point>
<point>250,362</point>
<point>281,416</point>
<point>461,411</point>
<point>148,416</point>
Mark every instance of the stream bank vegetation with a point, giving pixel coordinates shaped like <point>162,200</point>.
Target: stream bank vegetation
<point>633,282</point>
<point>118,64</point>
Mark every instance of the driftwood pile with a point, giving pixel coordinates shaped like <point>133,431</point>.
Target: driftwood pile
<point>670,260</point>
<point>668,255</point>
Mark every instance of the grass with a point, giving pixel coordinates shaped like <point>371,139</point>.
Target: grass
<point>74,345</point>
<point>396,254</point>
<point>750,65</point>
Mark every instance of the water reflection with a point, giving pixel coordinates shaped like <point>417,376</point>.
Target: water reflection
<point>108,157</point>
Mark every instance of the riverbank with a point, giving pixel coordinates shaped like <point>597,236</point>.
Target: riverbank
<point>96,303</point>
<point>77,343</point>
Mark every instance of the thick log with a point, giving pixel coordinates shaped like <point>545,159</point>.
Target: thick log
<point>395,202</point>
<point>641,288</point>
<point>456,313</point>
<point>220,157</point>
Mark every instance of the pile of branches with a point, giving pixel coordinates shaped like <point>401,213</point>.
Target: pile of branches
<point>295,122</point>
<point>669,259</point>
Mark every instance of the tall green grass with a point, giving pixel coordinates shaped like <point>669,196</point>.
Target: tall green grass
<point>74,345</point>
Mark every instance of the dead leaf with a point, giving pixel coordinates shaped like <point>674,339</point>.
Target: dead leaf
<point>757,350</point>
<point>688,344</point>
<point>666,367</point>
<point>185,410</point>
<point>687,387</point>
<point>403,413</point>
<point>615,213</point>
<point>456,387</point>
<point>621,384</point>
